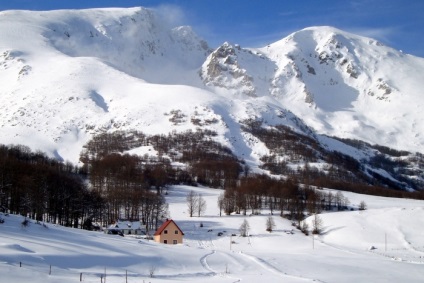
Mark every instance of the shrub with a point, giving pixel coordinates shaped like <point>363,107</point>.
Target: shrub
<point>25,223</point>
<point>317,225</point>
<point>244,228</point>
<point>304,227</point>
<point>362,205</point>
<point>270,224</point>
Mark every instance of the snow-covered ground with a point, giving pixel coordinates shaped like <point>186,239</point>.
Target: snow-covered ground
<point>342,254</point>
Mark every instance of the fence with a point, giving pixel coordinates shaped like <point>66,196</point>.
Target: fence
<point>111,276</point>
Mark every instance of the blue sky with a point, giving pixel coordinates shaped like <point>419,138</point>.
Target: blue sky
<point>255,23</point>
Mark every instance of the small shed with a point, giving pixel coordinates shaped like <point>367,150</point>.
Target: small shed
<point>169,233</point>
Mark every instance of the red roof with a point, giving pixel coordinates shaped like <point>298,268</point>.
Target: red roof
<point>164,225</point>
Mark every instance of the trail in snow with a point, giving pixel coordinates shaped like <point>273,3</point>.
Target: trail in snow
<point>239,257</point>
<point>267,266</point>
<point>205,264</point>
<point>399,254</point>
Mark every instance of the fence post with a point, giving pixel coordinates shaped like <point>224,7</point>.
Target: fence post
<point>20,264</point>
<point>50,271</point>
<point>80,276</point>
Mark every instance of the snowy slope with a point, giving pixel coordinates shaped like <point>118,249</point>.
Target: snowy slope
<point>58,82</point>
<point>341,254</point>
<point>132,40</point>
<point>66,75</point>
<point>340,84</point>
<point>352,86</point>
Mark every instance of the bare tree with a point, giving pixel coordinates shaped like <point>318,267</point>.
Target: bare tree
<point>229,202</point>
<point>345,202</point>
<point>192,202</point>
<point>330,199</point>
<point>270,224</point>
<point>201,205</point>
<point>317,224</point>
<point>244,228</point>
<point>152,270</point>
<point>340,201</point>
<point>221,203</point>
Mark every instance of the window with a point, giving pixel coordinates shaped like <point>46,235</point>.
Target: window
<point>176,232</point>
<point>165,241</point>
<point>165,232</point>
<point>175,242</point>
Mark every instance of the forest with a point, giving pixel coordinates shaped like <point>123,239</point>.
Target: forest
<point>341,171</point>
<point>111,184</point>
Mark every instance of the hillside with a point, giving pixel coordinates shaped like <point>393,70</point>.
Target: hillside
<point>342,253</point>
<point>68,76</point>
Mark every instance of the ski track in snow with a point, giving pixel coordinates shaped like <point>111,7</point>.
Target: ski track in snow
<point>394,254</point>
<point>408,245</point>
<point>204,263</point>
<point>256,260</point>
<point>337,247</point>
<point>269,267</point>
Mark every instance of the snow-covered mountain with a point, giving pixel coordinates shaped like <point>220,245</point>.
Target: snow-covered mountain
<point>69,74</point>
<point>340,84</point>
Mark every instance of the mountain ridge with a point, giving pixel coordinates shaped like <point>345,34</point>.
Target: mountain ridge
<point>336,82</point>
<point>70,74</point>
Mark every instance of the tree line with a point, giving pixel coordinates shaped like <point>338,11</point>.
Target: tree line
<point>285,197</point>
<point>112,184</point>
<point>288,147</point>
<point>43,188</point>
<point>205,161</point>
<point>132,186</point>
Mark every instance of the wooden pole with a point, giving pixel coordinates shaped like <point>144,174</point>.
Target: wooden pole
<point>50,271</point>
<point>385,242</point>
<point>80,276</point>
<point>126,276</point>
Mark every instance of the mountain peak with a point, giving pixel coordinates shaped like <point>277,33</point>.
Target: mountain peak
<point>67,75</point>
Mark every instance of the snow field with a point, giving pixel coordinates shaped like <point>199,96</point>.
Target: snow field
<point>341,254</point>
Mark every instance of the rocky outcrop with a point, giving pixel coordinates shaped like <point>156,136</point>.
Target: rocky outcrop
<point>222,70</point>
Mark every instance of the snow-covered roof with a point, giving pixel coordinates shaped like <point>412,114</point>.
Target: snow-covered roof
<point>134,225</point>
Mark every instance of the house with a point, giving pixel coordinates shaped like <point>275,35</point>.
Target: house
<point>127,228</point>
<point>169,233</point>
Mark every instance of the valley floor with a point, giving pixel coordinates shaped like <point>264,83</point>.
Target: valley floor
<point>343,253</point>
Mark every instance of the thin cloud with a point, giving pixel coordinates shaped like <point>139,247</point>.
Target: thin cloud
<point>172,15</point>
<point>382,34</point>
